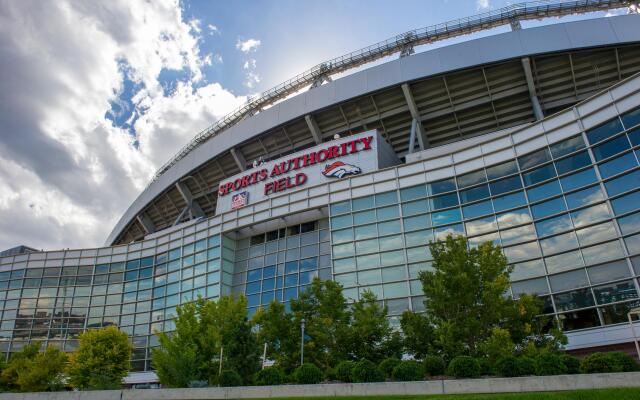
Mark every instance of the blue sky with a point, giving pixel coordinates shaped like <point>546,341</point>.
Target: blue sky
<point>96,96</point>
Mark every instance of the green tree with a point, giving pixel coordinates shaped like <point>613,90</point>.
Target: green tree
<point>101,360</point>
<point>418,334</point>
<point>192,351</point>
<point>278,330</point>
<point>30,370</point>
<point>466,300</point>
<point>371,335</point>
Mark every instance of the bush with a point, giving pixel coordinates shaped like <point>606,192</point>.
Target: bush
<point>464,367</point>
<point>307,374</point>
<point>270,376</point>
<point>549,364</point>
<point>408,371</point>
<point>485,366</point>
<point>343,370</point>
<point>526,366</point>
<point>571,363</point>
<point>507,366</point>
<point>366,371</point>
<point>229,378</point>
<point>623,362</point>
<point>387,365</point>
<point>433,365</point>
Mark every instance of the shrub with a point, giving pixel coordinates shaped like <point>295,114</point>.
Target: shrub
<point>408,371</point>
<point>270,376</point>
<point>507,366</point>
<point>433,365</point>
<point>485,366</point>
<point>229,377</point>
<point>549,364</point>
<point>571,363</point>
<point>366,371</point>
<point>622,362</point>
<point>307,374</point>
<point>387,365</point>
<point>464,367</point>
<point>343,370</point>
<point>526,366</point>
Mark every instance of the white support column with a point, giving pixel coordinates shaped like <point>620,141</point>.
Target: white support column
<point>313,127</point>
<point>537,109</point>
<point>419,131</point>
<point>239,158</point>
<point>146,222</point>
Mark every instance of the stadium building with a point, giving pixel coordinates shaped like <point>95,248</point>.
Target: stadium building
<point>528,138</point>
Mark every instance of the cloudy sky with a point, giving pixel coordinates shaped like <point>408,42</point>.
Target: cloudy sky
<point>95,95</point>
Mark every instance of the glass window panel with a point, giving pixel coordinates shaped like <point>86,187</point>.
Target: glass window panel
<point>528,269</point>
<point>391,242</point>
<point>632,243</point>
<point>344,265</point>
<point>584,197</point>
<point>608,272</point>
<point>415,207</point>
<point>501,170</point>
<point>547,208</point>
<point>572,163</point>
<point>473,194</point>
<point>346,280</point>
<point>444,185</point>
<point>365,231</point>
<point>610,148</point>
<point>634,137</point>
<point>471,179</point>
<point>389,227</point>
<point>366,246</point>
<point>505,185</point>
<point>556,244</point>
<point>253,287</point>
<point>578,179</point>
<point>602,252</point>
<point>478,240</point>
<point>533,159</point>
<point>341,236</point>
<point>309,264</point>
<point>567,146</point>
<point>387,213</point>
<point>514,218</point>
<point>618,165</point>
<point>596,234</point>
<point>364,217</point>
<point>447,200</point>
<point>417,222</point>
<point>517,235</point>
<point>509,201</point>
<point>553,225</point>
<point>368,261</point>
<point>398,289</point>
<point>543,191</point>
<point>604,131</point>
<point>417,254</point>
<point>478,209</point>
<point>341,208</point>
<point>615,292</point>
<point>590,215</point>
<point>392,257</point>
<point>539,175</point>
<point>445,217</point>
<point>369,277</point>
<point>482,225</point>
<point>414,192</point>
<point>568,280</point>
<point>362,203</point>
<point>522,252</point>
<point>342,221</point>
<point>617,313</point>
<point>343,250</point>
<point>533,286</point>
<point>630,223</point>
<point>631,118</point>
<point>626,203</point>
<point>385,199</point>
<point>392,274</point>
<point>453,230</point>
<point>581,298</point>
<point>418,238</point>
<point>579,319</point>
<point>623,183</point>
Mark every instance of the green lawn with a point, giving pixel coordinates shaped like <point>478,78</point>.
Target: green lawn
<point>604,394</point>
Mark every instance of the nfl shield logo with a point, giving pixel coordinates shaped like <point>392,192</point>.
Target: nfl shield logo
<point>239,200</point>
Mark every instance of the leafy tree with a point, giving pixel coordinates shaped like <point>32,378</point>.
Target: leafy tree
<point>30,370</point>
<point>371,335</point>
<point>192,351</point>
<point>498,345</point>
<point>278,330</point>
<point>101,360</point>
<point>418,334</point>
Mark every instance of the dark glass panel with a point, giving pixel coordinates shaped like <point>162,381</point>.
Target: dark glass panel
<point>470,179</point>
<point>444,185</point>
<point>615,292</point>
<point>414,192</point>
<point>623,183</point>
<point>579,319</point>
<point>543,191</point>
<point>566,146</point>
<point>473,194</point>
<point>539,175</point>
<point>617,165</point>
<point>503,169</point>
<point>604,131</point>
<point>631,118</point>
<point>578,179</point>
<point>533,159</point>
<point>610,148</point>
<point>572,163</point>
<point>444,201</point>
<point>505,185</point>
<point>581,298</point>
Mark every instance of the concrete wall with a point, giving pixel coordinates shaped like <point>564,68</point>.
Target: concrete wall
<point>454,386</point>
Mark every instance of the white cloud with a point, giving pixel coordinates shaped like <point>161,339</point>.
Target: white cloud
<point>66,173</point>
<point>249,64</point>
<point>247,46</point>
<point>482,4</point>
<point>213,29</point>
<point>251,77</point>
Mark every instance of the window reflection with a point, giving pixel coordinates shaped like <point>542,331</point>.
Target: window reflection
<point>564,262</point>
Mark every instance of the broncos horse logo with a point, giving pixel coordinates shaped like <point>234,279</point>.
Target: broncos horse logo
<point>339,169</point>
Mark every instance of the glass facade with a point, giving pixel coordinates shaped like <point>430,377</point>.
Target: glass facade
<point>567,216</point>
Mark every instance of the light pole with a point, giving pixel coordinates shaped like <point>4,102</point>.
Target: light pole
<point>634,311</point>
<point>302,341</point>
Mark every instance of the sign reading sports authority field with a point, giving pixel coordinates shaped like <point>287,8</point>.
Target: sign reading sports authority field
<point>337,159</point>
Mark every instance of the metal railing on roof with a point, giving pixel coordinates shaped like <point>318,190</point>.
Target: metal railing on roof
<point>488,20</point>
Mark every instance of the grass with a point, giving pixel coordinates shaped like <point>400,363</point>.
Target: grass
<point>600,394</point>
